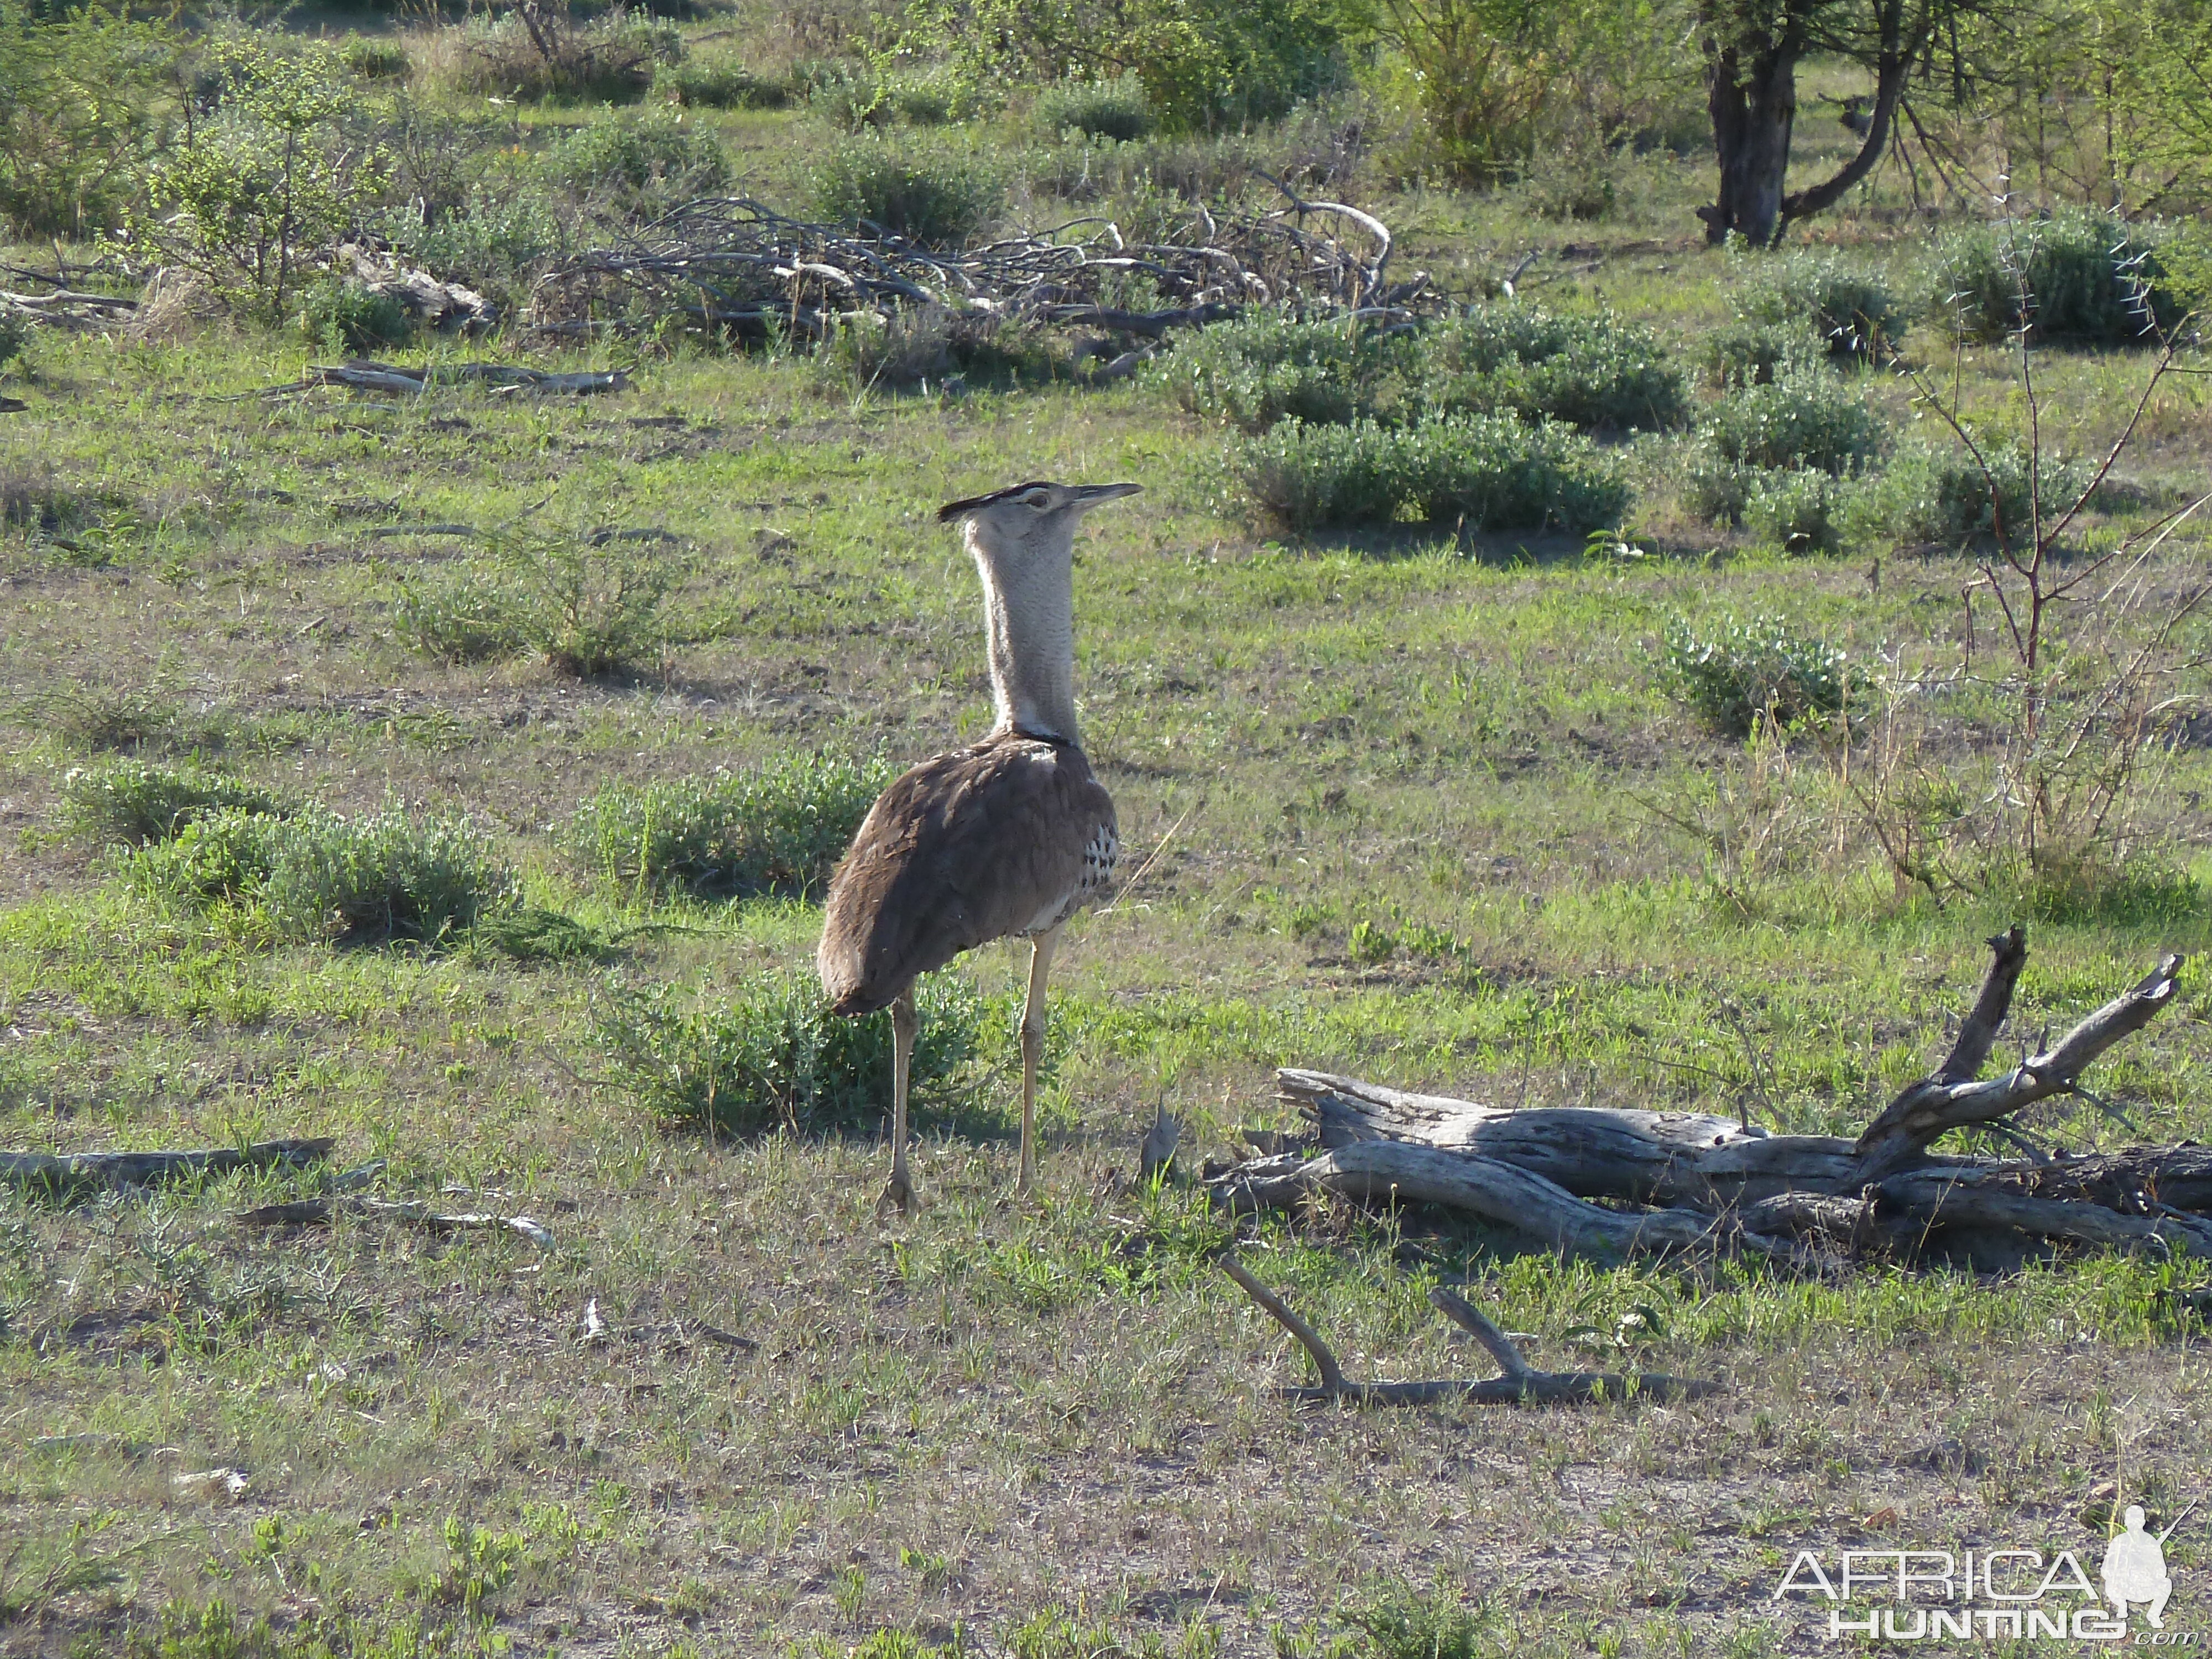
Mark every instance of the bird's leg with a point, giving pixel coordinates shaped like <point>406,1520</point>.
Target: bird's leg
<point>900,1192</point>
<point>1040,949</point>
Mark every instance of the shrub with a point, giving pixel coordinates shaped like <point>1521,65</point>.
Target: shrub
<point>1116,110</point>
<point>587,606</point>
<point>1403,1623</point>
<point>34,497</point>
<point>1207,66</point>
<point>1594,371</point>
<point>467,618</point>
<point>225,855</point>
<point>1571,182</point>
<point>267,185</point>
<point>2089,281</point>
<point>1851,310</point>
<point>853,99</point>
<point>779,827</point>
<point>1794,511</point>
<point>927,100</point>
<point>375,58</point>
<point>346,315</point>
<point>535,935</point>
<point>137,803</point>
<point>494,242</point>
<point>719,83</point>
<point>107,719</point>
<point>913,345</point>
<point>1743,354</point>
<point>635,160</point>
<point>612,60</point>
<point>1718,490</point>
<point>1799,421</point>
<point>1763,672</point>
<point>1932,493</point>
<point>933,194</point>
<point>391,876</point>
<point>1265,369</point>
<point>1482,472</point>
<point>773,1055</point>
<point>14,335</point>
<point>84,91</point>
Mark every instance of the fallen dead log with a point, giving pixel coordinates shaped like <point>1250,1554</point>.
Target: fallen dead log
<point>66,308</point>
<point>70,1172</point>
<point>498,379</point>
<point>1396,1172</point>
<point>320,1212</point>
<point>1632,1181</point>
<point>1518,1383</point>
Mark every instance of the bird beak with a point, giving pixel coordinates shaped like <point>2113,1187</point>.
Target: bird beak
<point>1090,496</point>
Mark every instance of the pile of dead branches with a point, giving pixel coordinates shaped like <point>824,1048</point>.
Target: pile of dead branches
<point>1619,1182</point>
<point>733,265</point>
<point>65,308</point>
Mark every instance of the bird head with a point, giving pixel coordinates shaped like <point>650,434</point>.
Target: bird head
<point>1033,516</point>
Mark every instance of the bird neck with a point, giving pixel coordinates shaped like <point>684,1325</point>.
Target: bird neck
<point>1029,614</point>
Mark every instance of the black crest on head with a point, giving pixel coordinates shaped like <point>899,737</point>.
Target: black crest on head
<point>952,510</point>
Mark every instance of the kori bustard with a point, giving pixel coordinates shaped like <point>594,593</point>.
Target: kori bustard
<point>1003,839</point>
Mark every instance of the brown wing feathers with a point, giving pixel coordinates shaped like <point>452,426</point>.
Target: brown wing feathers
<point>966,849</point>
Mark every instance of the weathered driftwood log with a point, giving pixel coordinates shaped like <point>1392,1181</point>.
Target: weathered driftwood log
<point>70,1172</point>
<point>1505,1194</point>
<point>1520,1382</point>
<point>1630,1180</point>
<point>1644,1157</point>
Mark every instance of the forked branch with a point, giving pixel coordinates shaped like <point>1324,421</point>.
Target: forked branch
<point>1951,1098</point>
<point>1522,1382</point>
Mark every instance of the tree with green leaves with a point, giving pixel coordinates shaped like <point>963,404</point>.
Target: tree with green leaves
<point>1205,64</point>
<point>1752,49</point>
<point>257,191</point>
<point>87,95</point>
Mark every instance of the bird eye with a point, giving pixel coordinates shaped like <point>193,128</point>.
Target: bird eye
<point>1037,499</point>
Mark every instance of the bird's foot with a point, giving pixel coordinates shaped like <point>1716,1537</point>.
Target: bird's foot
<point>898,1195</point>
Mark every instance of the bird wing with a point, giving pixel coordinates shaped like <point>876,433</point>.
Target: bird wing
<point>1006,837</point>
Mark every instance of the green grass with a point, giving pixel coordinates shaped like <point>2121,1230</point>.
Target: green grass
<point>1410,801</point>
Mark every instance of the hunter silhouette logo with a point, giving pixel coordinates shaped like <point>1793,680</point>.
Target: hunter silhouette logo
<point>1995,1594</point>
<point>2135,1568</point>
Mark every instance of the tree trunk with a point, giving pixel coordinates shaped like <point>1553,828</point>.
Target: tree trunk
<point>1751,85</point>
<point>1902,39</point>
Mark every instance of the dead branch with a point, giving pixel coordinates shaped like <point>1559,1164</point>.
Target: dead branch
<point>1945,1100</point>
<point>1621,1181</point>
<point>318,1211</point>
<point>72,1172</point>
<point>1522,1383</point>
<point>734,264</point>
<point>498,379</point>
<point>65,308</point>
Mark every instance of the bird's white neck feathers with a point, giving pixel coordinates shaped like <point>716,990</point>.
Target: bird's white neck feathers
<point>1029,614</point>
